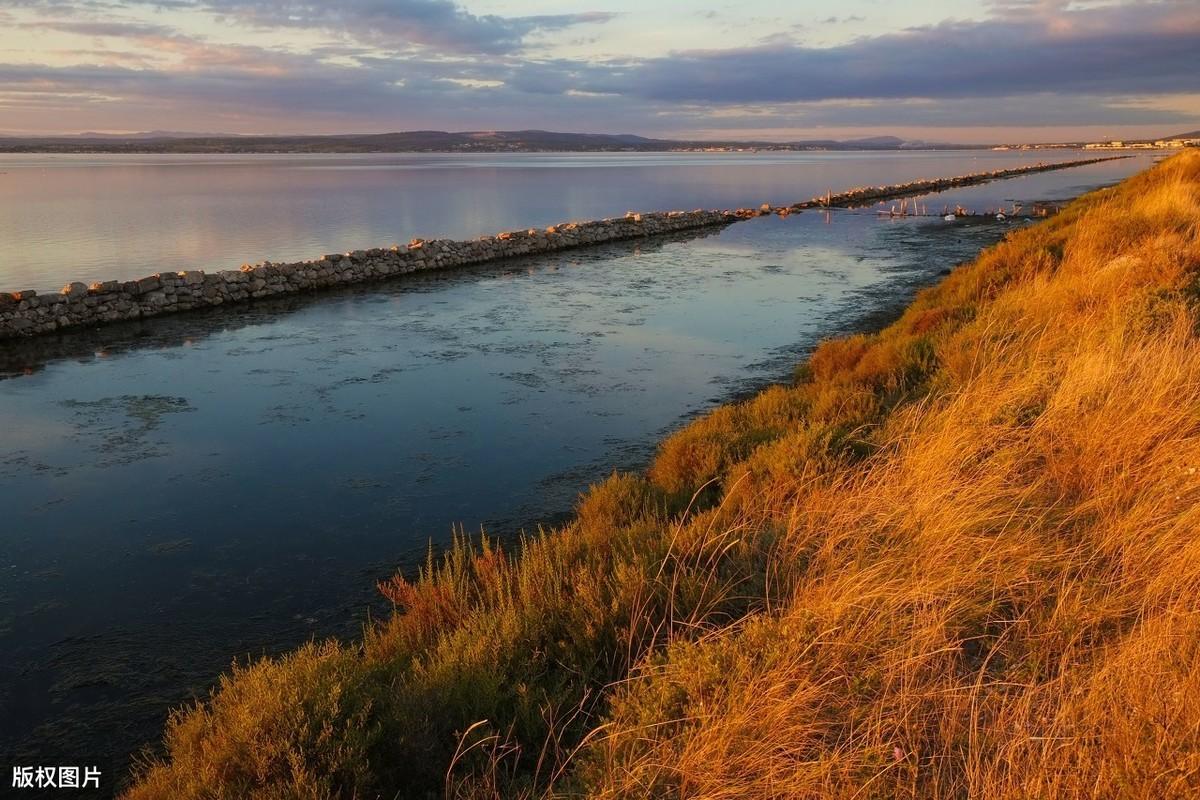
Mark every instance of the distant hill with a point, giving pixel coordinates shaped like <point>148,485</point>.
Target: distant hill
<point>153,135</point>
<point>877,141</point>
<point>417,142</point>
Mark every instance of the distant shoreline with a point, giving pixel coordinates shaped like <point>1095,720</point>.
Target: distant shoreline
<point>523,141</point>
<point>528,141</point>
<point>142,149</point>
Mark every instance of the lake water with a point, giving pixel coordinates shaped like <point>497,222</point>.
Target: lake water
<point>204,487</point>
<point>94,218</point>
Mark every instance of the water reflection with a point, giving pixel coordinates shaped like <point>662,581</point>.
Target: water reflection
<point>92,217</point>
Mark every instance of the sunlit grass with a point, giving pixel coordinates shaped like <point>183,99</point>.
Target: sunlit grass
<point>956,558</point>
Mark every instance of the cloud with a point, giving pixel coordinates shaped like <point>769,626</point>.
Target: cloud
<point>292,89</point>
<point>393,64</point>
<point>440,24</point>
<point>306,97</point>
<point>1025,110</point>
<point>125,30</point>
<point>1151,48</point>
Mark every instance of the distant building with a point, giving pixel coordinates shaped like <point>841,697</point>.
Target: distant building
<point>1160,144</point>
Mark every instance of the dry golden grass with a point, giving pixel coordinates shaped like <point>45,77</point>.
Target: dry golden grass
<point>1003,600</point>
<point>958,558</point>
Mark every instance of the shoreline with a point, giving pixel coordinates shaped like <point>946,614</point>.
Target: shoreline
<point>27,313</point>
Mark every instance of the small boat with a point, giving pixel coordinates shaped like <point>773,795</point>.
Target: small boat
<point>949,218</point>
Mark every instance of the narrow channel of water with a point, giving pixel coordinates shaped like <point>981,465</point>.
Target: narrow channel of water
<point>190,490</point>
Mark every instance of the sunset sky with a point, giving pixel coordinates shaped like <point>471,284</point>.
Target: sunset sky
<point>1007,70</point>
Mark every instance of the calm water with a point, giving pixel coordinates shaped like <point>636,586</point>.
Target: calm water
<point>229,483</point>
<point>91,218</point>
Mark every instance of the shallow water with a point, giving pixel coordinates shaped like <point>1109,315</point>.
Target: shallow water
<point>118,217</point>
<point>197,488</point>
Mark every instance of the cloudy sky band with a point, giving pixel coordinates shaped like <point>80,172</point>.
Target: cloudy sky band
<point>1035,70</point>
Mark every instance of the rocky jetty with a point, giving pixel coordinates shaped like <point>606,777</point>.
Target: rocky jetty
<point>28,313</point>
<point>869,195</point>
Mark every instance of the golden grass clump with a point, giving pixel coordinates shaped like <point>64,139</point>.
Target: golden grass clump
<point>958,558</point>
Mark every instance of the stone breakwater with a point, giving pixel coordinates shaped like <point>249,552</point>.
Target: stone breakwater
<point>28,313</point>
<point>869,195</point>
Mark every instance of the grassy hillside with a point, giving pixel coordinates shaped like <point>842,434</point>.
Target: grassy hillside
<point>955,558</point>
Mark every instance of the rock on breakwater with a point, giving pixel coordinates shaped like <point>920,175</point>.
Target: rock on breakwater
<point>28,313</point>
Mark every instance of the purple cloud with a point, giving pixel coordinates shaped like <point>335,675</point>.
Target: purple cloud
<point>440,24</point>
<point>1150,49</point>
<point>125,30</point>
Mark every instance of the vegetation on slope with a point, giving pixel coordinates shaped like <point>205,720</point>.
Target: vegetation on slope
<point>955,558</point>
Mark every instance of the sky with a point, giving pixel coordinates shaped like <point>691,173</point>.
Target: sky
<point>967,71</point>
